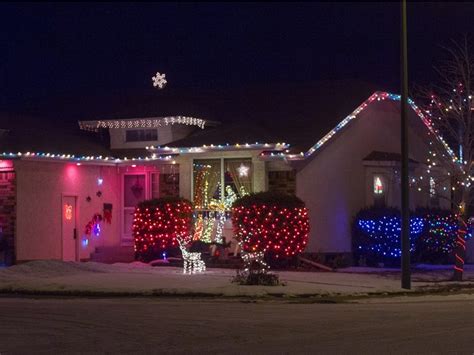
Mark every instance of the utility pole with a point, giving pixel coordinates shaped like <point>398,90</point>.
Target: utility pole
<point>405,235</point>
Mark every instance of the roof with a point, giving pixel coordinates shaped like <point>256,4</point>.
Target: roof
<point>304,116</point>
<point>34,134</point>
<point>298,115</point>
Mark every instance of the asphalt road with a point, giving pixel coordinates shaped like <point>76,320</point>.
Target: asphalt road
<point>162,326</point>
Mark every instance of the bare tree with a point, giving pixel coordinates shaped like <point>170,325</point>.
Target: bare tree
<point>449,105</point>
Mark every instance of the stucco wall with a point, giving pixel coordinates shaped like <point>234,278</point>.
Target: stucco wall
<point>40,186</point>
<point>333,183</point>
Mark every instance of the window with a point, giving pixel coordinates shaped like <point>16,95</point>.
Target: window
<point>210,175</point>
<point>165,184</point>
<point>141,135</point>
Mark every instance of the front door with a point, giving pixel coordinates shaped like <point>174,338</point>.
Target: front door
<point>135,190</point>
<point>69,241</point>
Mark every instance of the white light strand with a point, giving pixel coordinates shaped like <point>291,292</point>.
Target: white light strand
<point>159,80</point>
<point>218,147</point>
<point>192,262</point>
<point>255,262</point>
<point>141,123</point>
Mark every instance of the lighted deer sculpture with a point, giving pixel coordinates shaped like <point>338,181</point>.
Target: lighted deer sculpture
<point>192,262</point>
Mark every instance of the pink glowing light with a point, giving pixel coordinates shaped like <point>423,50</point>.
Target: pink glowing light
<point>6,165</point>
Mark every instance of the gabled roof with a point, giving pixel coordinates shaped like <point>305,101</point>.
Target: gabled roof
<point>294,114</point>
<point>375,97</point>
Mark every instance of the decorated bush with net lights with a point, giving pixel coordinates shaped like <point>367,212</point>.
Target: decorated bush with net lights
<point>276,225</point>
<point>438,241</point>
<point>376,236</point>
<point>158,223</point>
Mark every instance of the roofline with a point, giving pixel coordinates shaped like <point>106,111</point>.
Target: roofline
<point>79,160</point>
<point>379,96</point>
<point>219,147</point>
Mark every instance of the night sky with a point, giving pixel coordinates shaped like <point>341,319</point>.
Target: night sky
<point>54,51</point>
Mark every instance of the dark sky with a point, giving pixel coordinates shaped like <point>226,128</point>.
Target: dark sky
<point>49,51</point>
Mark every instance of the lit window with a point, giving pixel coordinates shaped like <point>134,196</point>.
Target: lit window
<point>378,185</point>
<point>235,175</point>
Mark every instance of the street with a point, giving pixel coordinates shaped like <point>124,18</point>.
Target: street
<point>141,325</point>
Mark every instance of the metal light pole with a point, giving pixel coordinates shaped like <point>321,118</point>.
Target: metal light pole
<point>405,235</point>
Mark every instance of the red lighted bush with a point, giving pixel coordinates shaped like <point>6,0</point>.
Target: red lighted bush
<point>156,225</point>
<point>275,224</point>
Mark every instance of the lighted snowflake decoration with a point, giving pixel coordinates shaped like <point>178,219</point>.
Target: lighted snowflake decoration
<point>243,170</point>
<point>159,80</point>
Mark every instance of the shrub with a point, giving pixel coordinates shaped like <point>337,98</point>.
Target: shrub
<point>438,240</point>
<point>256,278</point>
<point>376,236</point>
<point>156,225</point>
<point>272,223</point>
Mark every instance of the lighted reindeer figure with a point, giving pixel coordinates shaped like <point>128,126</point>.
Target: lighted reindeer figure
<point>192,262</point>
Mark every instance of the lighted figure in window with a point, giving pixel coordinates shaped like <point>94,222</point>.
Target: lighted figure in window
<point>378,186</point>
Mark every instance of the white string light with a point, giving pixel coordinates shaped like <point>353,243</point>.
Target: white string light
<point>159,80</point>
<point>192,262</point>
<point>153,122</point>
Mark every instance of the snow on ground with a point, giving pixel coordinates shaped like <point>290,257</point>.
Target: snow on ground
<point>140,278</point>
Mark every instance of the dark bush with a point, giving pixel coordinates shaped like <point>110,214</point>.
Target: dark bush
<point>254,278</point>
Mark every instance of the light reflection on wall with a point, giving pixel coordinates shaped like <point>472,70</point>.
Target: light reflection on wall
<point>6,165</point>
<point>71,173</point>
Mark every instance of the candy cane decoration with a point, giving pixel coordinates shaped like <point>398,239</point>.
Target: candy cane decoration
<point>460,249</point>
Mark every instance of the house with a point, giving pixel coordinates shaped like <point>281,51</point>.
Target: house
<point>69,192</point>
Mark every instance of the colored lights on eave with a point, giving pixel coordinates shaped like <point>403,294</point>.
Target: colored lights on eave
<point>378,96</point>
<point>80,159</point>
<point>218,147</point>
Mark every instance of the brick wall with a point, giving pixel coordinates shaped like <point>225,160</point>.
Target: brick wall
<point>7,207</point>
<point>282,181</point>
